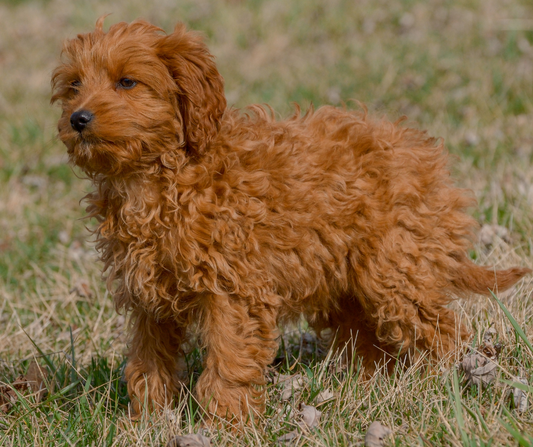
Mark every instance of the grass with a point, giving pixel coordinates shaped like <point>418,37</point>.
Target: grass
<point>459,68</point>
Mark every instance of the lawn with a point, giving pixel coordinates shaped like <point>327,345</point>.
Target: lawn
<point>461,69</point>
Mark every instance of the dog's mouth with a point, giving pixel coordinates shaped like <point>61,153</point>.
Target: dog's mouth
<point>96,155</point>
<point>82,147</point>
<point>79,143</point>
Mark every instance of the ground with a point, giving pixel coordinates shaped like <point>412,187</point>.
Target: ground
<point>462,69</point>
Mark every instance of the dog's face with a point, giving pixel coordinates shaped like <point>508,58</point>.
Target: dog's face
<point>133,94</point>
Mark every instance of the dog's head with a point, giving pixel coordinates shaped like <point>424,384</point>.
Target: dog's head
<point>132,94</point>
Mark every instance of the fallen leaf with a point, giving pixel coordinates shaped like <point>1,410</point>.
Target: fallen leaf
<point>192,440</point>
<point>324,396</point>
<point>170,416</point>
<point>7,398</point>
<point>471,138</point>
<point>490,351</point>
<point>490,334</point>
<point>520,396</point>
<point>32,382</point>
<point>481,367</point>
<point>290,384</point>
<point>76,251</point>
<point>288,437</point>
<point>63,237</point>
<point>487,347</point>
<point>82,289</point>
<point>376,434</point>
<point>489,234</point>
<point>35,377</point>
<point>310,416</point>
<point>8,394</point>
<point>479,370</point>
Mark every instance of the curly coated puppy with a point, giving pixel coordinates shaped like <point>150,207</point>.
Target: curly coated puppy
<point>234,222</point>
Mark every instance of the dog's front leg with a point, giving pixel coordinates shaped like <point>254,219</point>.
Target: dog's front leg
<point>241,337</point>
<point>152,369</point>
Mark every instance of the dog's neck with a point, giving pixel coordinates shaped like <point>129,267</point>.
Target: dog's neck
<point>139,196</point>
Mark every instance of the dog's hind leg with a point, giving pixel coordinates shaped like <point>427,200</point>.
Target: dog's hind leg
<point>404,287</point>
<point>403,298</point>
<point>354,338</point>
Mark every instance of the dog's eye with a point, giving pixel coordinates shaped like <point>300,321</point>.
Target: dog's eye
<point>127,83</point>
<point>75,84</point>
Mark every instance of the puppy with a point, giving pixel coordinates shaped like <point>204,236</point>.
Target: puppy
<point>234,222</point>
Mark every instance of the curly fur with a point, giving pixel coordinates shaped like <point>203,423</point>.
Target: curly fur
<point>235,221</point>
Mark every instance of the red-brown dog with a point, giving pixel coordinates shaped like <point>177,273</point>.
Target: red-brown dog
<point>235,222</point>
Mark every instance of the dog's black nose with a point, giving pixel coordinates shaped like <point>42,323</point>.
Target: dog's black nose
<point>80,119</point>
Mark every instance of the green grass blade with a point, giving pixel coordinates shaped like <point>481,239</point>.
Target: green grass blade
<point>523,439</point>
<point>46,358</point>
<point>514,323</point>
<point>459,409</point>
<point>520,386</point>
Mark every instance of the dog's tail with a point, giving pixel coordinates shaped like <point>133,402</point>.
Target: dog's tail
<point>481,280</point>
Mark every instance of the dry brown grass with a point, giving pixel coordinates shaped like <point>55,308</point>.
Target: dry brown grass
<point>461,69</point>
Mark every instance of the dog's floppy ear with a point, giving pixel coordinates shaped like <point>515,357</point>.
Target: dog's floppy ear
<point>200,87</point>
